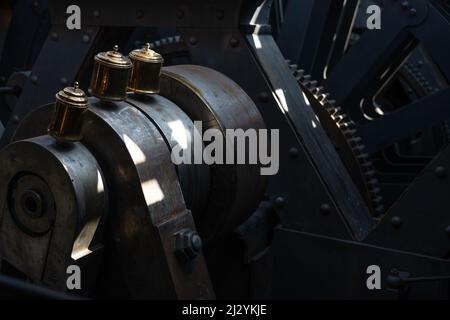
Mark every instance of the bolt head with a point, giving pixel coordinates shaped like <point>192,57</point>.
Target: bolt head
<point>196,243</point>
<point>188,244</point>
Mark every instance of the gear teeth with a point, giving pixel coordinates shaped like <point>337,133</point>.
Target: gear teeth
<point>348,131</point>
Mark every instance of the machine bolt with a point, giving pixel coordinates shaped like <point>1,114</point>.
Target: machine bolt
<point>279,202</point>
<point>188,244</point>
<point>440,172</point>
<point>396,221</point>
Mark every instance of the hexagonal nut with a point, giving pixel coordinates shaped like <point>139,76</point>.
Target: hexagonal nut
<point>188,244</point>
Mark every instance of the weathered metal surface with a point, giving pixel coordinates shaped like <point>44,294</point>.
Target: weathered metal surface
<point>69,207</point>
<point>178,129</point>
<point>208,96</point>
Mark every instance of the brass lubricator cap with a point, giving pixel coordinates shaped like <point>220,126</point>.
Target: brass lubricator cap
<point>110,76</point>
<point>147,64</point>
<point>65,124</point>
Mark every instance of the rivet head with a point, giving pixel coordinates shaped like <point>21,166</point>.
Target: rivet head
<point>97,13</point>
<point>220,15</point>
<point>54,36</point>
<point>447,231</point>
<point>293,153</point>
<point>180,14</point>
<point>193,40</point>
<point>440,172</point>
<point>86,38</point>
<point>412,11</point>
<point>264,96</point>
<point>234,42</point>
<point>325,208</point>
<point>279,202</point>
<point>396,221</point>
<point>34,79</point>
<point>16,119</point>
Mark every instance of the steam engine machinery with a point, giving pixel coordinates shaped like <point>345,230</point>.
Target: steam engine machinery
<point>357,207</point>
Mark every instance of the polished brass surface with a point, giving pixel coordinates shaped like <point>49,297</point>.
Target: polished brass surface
<point>110,76</point>
<point>147,64</point>
<point>66,121</point>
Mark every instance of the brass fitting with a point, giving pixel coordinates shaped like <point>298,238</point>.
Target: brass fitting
<point>110,76</point>
<point>147,64</point>
<point>66,121</point>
